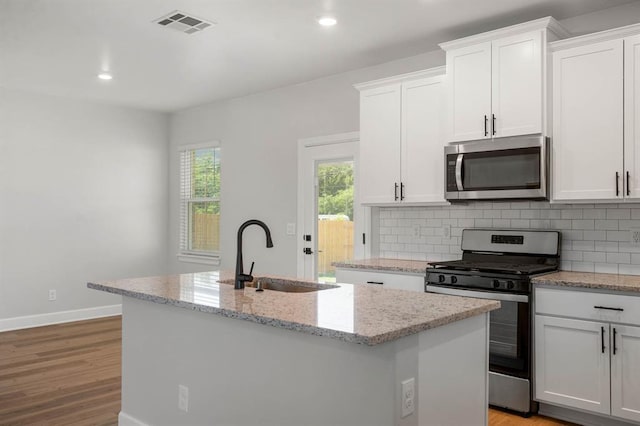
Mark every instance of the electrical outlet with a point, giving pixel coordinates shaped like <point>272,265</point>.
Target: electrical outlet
<point>446,231</point>
<point>416,230</point>
<point>634,237</point>
<point>52,295</point>
<point>183,398</point>
<point>408,397</point>
<point>291,229</point>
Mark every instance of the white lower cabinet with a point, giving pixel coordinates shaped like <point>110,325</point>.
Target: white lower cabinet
<point>590,361</point>
<point>390,280</point>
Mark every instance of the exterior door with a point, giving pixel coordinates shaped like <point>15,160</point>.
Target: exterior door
<point>588,122</point>
<point>332,221</point>
<point>625,372</point>
<point>572,363</point>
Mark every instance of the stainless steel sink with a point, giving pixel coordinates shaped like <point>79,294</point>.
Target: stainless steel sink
<point>284,285</point>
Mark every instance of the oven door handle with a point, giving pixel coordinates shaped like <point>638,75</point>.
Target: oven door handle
<point>505,297</point>
<point>459,172</point>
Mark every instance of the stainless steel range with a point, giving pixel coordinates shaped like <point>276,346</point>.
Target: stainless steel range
<point>499,264</point>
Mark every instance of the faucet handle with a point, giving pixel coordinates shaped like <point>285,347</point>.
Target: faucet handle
<point>251,270</point>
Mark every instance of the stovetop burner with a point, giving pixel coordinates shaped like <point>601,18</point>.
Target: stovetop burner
<point>498,267</point>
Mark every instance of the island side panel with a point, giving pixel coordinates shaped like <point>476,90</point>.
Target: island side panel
<point>239,372</point>
<point>453,377</point>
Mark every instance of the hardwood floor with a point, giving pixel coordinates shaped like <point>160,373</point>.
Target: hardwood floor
<point>69,374</point>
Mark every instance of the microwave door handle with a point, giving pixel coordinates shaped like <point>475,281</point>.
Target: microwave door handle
<point>459,172</point>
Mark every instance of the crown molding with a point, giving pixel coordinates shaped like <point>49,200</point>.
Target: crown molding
<point>607,35</point>
<point>548,23</point>
<point>402,78</point>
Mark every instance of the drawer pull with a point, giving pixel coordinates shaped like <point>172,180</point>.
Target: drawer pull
<point>602,338</point>
<point>375,282</point>
<point>608,309</point>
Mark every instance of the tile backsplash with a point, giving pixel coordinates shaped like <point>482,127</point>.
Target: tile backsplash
<point>595,238</point>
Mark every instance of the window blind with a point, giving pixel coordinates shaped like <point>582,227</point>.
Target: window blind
<point>200,201</point>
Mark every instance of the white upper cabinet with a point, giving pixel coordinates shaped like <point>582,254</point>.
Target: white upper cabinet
<point>401,140</point>
<point>496,81</point>
<point>596,139</point>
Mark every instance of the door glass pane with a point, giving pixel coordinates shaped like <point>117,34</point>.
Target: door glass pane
<point>509,169</point>
<point>335,216</point>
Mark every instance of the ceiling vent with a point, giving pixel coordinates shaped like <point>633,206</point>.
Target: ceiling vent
<point>183,22</point>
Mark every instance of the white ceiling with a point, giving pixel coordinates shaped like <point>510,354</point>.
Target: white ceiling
<point>59,46</point>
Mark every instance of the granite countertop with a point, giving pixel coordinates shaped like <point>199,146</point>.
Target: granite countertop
<point>614,282</point>
<point>353,313</point>
<point>389,265</point>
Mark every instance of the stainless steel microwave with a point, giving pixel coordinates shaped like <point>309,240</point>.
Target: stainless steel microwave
<point>497,169</point>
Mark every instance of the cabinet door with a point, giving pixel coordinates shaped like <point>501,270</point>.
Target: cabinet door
<point>516,86</point>
<point>386,280</point>
<point>380,144</point>
<point>625,372</point>
<point>469,92</point>
<point>588,122</point>
<point>572,368</point>
<point>422,165</point>
<point>632,116</point>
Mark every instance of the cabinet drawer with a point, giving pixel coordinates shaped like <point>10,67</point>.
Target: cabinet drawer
<point>386,279</point>
<point>588,305</point>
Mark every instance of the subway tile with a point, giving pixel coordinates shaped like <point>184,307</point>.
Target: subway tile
<point>572,235</point>
<point>540,223</point>
<point>551,214</point>
<point>595,235</point>
<point>483,223</point>
<point>587,224</point>
<point>456,232</point>
<point>441,248</point>
<point>635,258</point>
<point>397,214</point>
<point>427,214</point>
<point>606,268</point>
<point>427,231</point>
<point>594,256</point>
<point>385,214</point>
<point>501,206</point>
<point>601,224</point>
<point>433,240</point>
<point>618,214</point>
<point>635,213</point>
<point>595,214</point>
<point>501,223</point>
<point>618,236</point>
<point>607,246</point>
<point>629,269</point>
<point>625,225</point>
<point>565,265</point>
<point>582,266</point>
<point>521,205</point>
<point>560,223</point>
<point>441,214</point>
<point>583,245</point>
<point>510,214</point>
<point>466,223</point>
<point>520,223</point>
<point>572,255</point>
<point>434,223</point>
<point>629,247</point>
<point>530,214</point>
<point>571,214</point>
<point>539,205</point>
<point>491,214</point>
<point>618,258</point>
<point>458,214</point>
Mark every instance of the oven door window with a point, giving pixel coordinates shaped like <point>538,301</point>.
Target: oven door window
<point>509,339</point>
<point>499,170</point>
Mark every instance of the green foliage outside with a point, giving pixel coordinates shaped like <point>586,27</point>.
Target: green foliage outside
<point>205,169</point>
<point>335,187</point>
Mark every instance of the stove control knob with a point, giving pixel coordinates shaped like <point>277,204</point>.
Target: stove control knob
<point>441,278</point>
<point>510,285</point>
<point>496,283</point>
<point>454,280</point>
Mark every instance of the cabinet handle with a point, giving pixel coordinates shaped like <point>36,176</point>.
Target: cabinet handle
<point>602,338</point>
<point>401,191</point>
<point>608,309</point>
<point>617,184</point>
<point>493,124</point>
<point>375,282</point>
<point>395,191</point>
<point>614,341</point>
<point>486,121</point>
<point>628,189</point>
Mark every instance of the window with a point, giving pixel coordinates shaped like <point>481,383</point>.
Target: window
<point>200,202</point>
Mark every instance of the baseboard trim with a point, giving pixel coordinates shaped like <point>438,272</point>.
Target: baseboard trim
<point>125,419</point>
<point>29,321</point>
<point>580,417</point>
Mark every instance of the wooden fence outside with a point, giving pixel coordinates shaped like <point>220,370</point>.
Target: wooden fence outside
<point>335,244</point>
<point>205,233</point>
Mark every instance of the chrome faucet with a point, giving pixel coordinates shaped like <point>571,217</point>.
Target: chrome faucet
<point>241,277</point>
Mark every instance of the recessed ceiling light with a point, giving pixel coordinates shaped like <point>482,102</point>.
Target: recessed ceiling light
<point>327,21</point>
<point>105,76</point>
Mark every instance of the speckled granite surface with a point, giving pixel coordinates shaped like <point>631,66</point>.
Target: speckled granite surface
<point>354,313</point>
<point>614,282</point>
<point>388,265</point>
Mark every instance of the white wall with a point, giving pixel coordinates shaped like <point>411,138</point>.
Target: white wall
<point>83,196</point>
<point>259,135</point>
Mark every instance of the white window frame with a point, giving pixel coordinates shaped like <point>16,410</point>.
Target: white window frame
<point>208,258</point>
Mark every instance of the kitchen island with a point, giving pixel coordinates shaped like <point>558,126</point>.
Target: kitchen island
<point>335,356</point>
